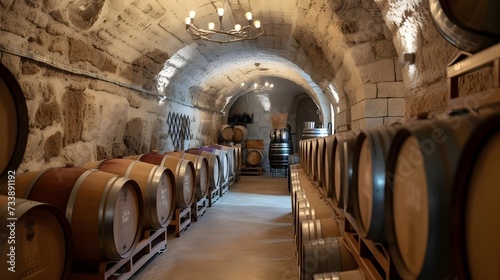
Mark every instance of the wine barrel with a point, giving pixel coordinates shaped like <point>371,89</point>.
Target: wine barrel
<point>342,275</point>
<point>239,157</point>
<point>103,210</point>
<point>369,161</point>
<point>13,123</point>
<point>156,183</point>
<point>42,236</point>
<point>224,162</point>
<point>325,255</point>
<point>278,154</point>
<point>313,153</point>
<point>226,132</point>
<point>343,170</point>
<point>475,204</point>
<point>240,133</point>
<point>255,157</point>
<point>422,162</point>
<point>308,133</point>
<point>184,174</point>
<point>231,157</point>
<point>279,135</point>
<point>214,166</point>
<point>468,25</point>
<point>201,166</point>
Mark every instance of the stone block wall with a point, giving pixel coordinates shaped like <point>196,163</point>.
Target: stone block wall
<point>79,119</point>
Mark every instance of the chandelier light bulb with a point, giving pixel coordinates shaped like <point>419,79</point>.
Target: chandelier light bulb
<point>248,15</point>
<point>242,85</point>
<point>220,11</point>
<point>188,20</point>
<point>256,23</point>
<point>266,84</point>
<point>192,14</point>
<point>237,27</point>
<point>211,25</point>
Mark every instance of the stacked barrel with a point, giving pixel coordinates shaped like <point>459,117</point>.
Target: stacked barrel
<point>280,148</point>
<point>419,191</point>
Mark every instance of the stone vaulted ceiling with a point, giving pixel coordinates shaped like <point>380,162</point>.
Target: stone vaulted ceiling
<point>144,44</point>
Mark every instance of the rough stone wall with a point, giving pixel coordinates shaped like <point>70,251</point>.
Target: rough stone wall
<point>78,119</point>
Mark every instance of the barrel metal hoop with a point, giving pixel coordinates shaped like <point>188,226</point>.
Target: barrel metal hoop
<point>107,212</point>
<point>74,193</point>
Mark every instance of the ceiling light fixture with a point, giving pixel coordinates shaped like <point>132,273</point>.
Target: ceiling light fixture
<point>257,86</point>
<point>249,31</point>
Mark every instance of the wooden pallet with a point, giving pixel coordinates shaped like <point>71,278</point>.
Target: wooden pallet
<point>199,209</point>
<point>224,188</point>
<point>213,196</point>
<point>154,242</point>
<point>248,170</point>
<point>181,220</point>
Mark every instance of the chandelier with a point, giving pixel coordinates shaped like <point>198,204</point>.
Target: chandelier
<point>257,86</point>
<point>249,31</point>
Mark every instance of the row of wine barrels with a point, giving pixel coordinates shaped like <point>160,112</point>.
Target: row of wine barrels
<point>156,183</point>
<point>255,157</point>
<point>425,189</point>
<point>184,174</point>
<point>214,167</point>
<point>237,133</point>
<point>201,166</point>
<point>90,199</point>
<point>42,235</point>
<point>319,247</point>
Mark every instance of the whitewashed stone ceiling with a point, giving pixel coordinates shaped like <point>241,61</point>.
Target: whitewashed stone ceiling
<point>310,42</point>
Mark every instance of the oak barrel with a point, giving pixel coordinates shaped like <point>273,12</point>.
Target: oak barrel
<point>42,240</point>
<point>224,162</point>
<point>475,203</point>
<point>103,210</point>
<point>240,133</point>
<point>468,25</point>
<point>202,169</point>
<point>13,123</point>
<point>255,157</point>
<point>421,165</point>
<point>325,255</point>
<point>184,173</point>
<point>156,183</point>
<point>213,164</point>
<point>226,132</point>
<point>369,165</point>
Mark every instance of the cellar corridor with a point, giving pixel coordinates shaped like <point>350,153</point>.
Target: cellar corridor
<point>247,234</point>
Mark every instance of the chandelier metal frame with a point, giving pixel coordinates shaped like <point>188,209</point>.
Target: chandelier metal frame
<point>249,31</point>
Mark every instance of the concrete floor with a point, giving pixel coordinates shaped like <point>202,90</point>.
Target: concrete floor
<point>246,235</point>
